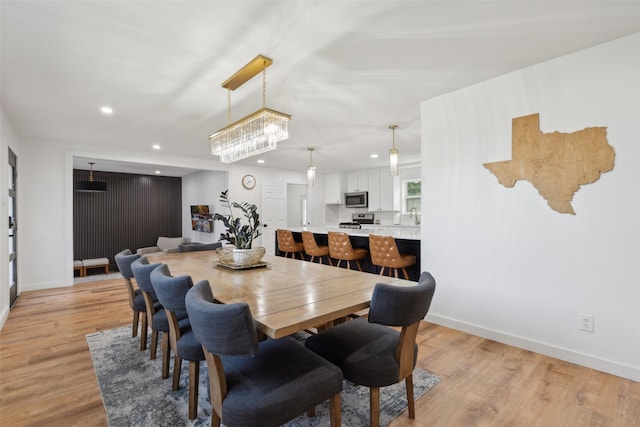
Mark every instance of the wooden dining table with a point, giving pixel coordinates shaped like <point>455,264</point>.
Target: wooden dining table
<point>286,296</point>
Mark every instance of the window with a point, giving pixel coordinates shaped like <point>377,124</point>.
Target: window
<point>411,194</point>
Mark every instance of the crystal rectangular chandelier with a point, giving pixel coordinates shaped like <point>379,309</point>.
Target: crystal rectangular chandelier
<point>257,133</point>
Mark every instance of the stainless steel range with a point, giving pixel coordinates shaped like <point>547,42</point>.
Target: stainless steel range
<point>357,220</point>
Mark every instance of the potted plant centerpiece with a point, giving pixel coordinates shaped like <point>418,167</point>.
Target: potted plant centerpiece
<point>239,235</point>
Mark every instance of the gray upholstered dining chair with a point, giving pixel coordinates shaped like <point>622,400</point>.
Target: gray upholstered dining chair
<point>256,384</point>
<point>124,259</point>
<point>171,292</point>
<point>372,354</point>
<point>156,315</point>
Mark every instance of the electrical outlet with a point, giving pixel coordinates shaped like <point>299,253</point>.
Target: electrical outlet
<point>586,322</point>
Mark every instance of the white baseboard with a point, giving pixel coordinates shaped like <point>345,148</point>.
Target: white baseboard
<point>44,285</point>
<point>568,355</point>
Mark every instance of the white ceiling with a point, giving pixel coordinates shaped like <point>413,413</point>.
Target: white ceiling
<point>345,70</point>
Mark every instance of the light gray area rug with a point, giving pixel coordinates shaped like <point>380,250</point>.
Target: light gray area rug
<point>134,394</point>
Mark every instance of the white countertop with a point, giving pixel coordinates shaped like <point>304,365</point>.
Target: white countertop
<point>397,231</point>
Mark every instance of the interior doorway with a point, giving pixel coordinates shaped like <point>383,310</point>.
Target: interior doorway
<point>13,228</point>
<point>296,205</point>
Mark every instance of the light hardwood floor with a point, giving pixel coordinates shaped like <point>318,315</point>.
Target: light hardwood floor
<point>47,378</point>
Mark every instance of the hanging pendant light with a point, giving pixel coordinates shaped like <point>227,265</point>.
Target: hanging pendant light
<point>91,186</point>
<point>393,153</point>
<point>311,171</point>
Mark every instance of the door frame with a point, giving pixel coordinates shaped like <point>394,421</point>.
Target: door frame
<point>13,226</point>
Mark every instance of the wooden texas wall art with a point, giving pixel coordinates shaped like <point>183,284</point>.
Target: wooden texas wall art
<point>556,163</point>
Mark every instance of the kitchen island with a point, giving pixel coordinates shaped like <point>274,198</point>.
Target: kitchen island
<point>407,240</point>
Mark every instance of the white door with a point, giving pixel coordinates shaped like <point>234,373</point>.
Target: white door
<point>274,213</point>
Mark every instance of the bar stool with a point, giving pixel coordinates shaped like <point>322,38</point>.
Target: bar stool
<point>340,248</point>
<point>312,249</point>
<point>385,254</point>
<point>287,245</point>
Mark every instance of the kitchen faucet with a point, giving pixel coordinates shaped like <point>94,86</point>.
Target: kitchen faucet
<point>413,213</point>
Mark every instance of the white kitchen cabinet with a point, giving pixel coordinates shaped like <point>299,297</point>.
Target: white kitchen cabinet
<point>389,188</point>
<point>333,189</point>
<point>374,190</point>
<point>382,190</point>
<point>358,181</point>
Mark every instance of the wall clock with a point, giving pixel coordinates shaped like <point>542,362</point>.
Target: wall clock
<point>248,182</point>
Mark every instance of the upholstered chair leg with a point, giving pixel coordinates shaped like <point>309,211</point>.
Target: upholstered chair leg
<point>194,379</point>
<point>335,410</point>
<point>404,270</point>
<point>177,368</point>
<point>165,355</point>
<point>358,264</point>
<point>329,260</point>
<point>410,402</point>
<point>374,406</point>
<point>154,344</point>
<point>134,324</point>
<point>143,333</point>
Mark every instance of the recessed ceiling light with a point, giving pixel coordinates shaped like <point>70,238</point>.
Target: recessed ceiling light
<point>260,161</point>
<point>106,110</point>
<point>156,147</point>
<point>374,156</point>
<point>157,172</point>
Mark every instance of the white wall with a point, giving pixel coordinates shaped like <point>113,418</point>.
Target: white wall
<point>507,266</point>
<point>8,140</point>
<point>45,203</point>
<point>45,237</point>
<point>264,176</point>
<point>202,188</point>
<point>315,202</point>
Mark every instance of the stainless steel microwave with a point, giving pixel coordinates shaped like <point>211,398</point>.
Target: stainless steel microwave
<point>358,199</point>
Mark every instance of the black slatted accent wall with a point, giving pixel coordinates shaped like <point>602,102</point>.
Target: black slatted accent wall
<point>134,211</point>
